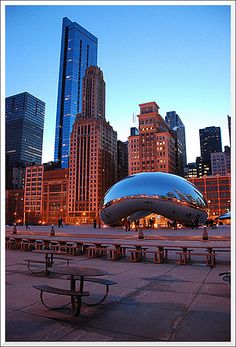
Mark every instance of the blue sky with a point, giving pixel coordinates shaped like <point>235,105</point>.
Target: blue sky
<point>178,56</point>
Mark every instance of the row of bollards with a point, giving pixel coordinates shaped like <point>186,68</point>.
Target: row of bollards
<point>52,231</point>
<point>140,232</point>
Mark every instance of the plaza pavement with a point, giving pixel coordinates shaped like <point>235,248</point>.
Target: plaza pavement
<point>155,303</point>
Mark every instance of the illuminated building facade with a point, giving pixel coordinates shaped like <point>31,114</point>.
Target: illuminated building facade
<point>154,147</point>
<point>93,153</point>
<point>14,200</point>
<point>33,193</point>
<point>55,196</point>
<point>217,192</point>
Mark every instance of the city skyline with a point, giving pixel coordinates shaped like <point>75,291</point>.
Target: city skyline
<point>182,70</point>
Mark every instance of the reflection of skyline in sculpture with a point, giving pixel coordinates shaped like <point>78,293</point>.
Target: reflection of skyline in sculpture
<point>141,194</point>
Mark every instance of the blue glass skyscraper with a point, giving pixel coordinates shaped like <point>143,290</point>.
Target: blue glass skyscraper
<point>24,129</point>
<point>176,124</point>
<point>78,51</point>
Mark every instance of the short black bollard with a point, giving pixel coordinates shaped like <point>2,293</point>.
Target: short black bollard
<point>14,229</point>
<point>205,234</point>
<point>140,234</point>
<point>52,232</point>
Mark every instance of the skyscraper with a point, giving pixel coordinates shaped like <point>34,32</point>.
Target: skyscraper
<point>93,152</point>
<point>122,159</point>
<point>210,142</point>
<point>78,51</point>
<point>175,123</point>
<point>153,148</point>
<point>24,129</point>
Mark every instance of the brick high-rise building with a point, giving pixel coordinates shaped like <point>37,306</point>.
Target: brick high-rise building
<point>55,195</point>
<point>93,153</point>
<point>33,193</point>
<point>45,194</point>
<point>217,192</point>
<point>154,147</point>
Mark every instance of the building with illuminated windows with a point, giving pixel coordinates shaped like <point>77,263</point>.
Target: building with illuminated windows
<point>153,148</point>
<point>210,142</point>
<point>14,200</point>
<point>24,129</point>
<point>93,152</point>
<point>78,51</point>
<point>33,193</point>
<point>175,123</point>
<point>217,192</point>
<point>45,194</point>
<point>55,196</point>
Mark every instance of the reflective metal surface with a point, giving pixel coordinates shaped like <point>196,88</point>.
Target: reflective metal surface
<point>153,192</point>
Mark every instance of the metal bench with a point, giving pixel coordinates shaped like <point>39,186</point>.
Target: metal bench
<point>101,281</point>
<point>226,276</point>
<point>36,261</point>
<point>75,294</point>
<point>67,258</point>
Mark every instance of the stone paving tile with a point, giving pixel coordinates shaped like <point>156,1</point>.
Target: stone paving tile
<point>213,303</point>
<point>21,326</point>
<point>173,286</point>
<point>140,320</point>
<point>214,277</point>
<point>203,325</point>
<point>216,289</point>
<point>187,273</point>
<point>151,302</point>
<point>93,334</point>
<point>161,300</point>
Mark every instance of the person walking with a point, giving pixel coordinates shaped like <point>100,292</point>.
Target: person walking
<point>94,223</point>
<point>192,223</point>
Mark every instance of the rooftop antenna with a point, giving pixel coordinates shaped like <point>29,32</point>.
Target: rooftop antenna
<point>134,119</point>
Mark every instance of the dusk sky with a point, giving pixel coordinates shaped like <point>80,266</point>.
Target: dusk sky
<point>178,56</point>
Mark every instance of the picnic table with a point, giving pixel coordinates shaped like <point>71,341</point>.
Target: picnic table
<point>48,260</point>
<point>74,273</point>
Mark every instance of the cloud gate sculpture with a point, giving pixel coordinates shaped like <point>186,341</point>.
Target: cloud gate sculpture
<point>144,193</point>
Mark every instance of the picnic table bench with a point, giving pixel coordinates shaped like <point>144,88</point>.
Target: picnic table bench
<point>185,257</point>
<point>48,260</point>
<point>75,294</point>
<point>94,252</point>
